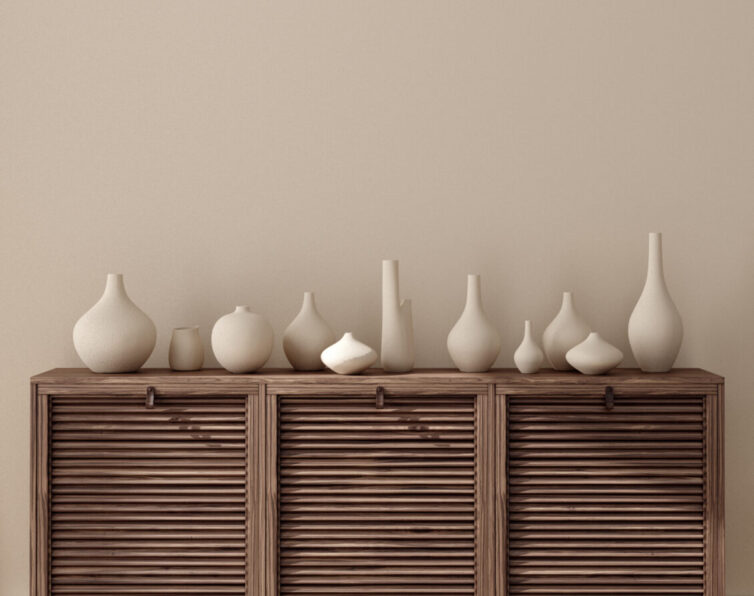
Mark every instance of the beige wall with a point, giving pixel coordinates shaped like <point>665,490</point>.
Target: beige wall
<point>220,153</point>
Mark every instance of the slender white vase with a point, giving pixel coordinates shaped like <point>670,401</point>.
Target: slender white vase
<point>242,340</point>
<point>528,357</point>
<point>349,356</point>
<point>186,351</point>
<point>115,335</point>
<point>565,331</point>
<point>397,351</point>
<point>594,356</point>
<point>473,343</point>
<point>655,329</point>
<point>306,337</point>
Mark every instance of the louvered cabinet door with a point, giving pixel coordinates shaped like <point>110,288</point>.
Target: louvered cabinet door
<point>147,501</point>
<point>606,501</point>
<point>381,500</point>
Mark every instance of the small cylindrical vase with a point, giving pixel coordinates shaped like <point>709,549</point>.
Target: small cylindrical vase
<point>186,351</point>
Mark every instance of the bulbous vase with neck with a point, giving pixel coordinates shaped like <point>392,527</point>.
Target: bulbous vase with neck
<point>307,336</point>
<point>397,350</point>
<point>528,357</point>
<point>565,331</point>
<point>115,335</point>
<point>655,329</point>
<point>473,343</point>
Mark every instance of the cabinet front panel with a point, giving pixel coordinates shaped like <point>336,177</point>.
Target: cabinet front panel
<point>606,501</point>
<point>148,501</point>
<point>377,501</point>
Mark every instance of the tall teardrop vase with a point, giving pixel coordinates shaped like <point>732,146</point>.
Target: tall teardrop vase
<point>115,335</point>
<point>473,343</point>
<point>655,329</point>
<point>397,351</point>
<point>307,336</point>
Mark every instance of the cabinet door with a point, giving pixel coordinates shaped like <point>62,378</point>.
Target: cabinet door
<point>383,500</point>
<point>606,501</point>
<point>147,501</point>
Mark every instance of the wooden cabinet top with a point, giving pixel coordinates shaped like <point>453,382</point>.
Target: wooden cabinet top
<point>504,376</point>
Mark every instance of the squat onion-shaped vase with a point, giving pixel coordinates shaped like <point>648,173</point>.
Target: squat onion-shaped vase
<point>242,340</point>
<point>349,356</point>
<point>655,329</point>
<point>565,331</point>
<point>473,343</point>
<point>397,351</point>
<point>306,337</point>
<point>528,356</point>
<point>594,356</point>
<point>115,335</point>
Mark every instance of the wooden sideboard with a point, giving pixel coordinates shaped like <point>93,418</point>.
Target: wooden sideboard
<point>432,482</point>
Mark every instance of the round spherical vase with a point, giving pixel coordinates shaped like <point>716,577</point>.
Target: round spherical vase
<point>594,356</point>
<point>565,331</point>
<point>528,357</point>
<point>242,340</point>
<point>349,356</point>
<point>115,335</point>
<point>473,342</point>
<point>186,351</point>
<point>655,329</point>
<point>306,337</point>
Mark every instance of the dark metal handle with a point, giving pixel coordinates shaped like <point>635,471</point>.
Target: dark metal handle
<point>150,397</point>
<point>609,398</point>
<point>379,400</point>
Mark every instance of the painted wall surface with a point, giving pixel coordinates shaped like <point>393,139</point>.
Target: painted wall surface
<point>242,152</point>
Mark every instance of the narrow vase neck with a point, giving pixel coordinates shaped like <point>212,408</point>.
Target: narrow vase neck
<point>308,303</point>
<point>474,292</point>
<point>527,330</point>
<point>567,302</point>
<point>655,271</point>
<point>114,285</point>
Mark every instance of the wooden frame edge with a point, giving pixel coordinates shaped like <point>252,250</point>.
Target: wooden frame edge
<point>39,545</point>
<point>715,493</point>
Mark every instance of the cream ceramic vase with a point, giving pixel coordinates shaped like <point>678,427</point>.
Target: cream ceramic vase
<point>473,343</point>
<point>186,351</point>
<point>528,357</point>
<point>655,329</point>
<point>349,356</point>
<point>594,356</point>
<point>306,337</point>
<point>115,335</point>
<point>242,340</point>
<point>397,352</point>
<point>565,331</point>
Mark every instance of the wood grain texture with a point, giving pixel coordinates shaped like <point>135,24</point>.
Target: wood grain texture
<point>581,521</point>
<point>295,483</point>
<point>148,506</point>
<point>423,377</point>
<point>378,501</point>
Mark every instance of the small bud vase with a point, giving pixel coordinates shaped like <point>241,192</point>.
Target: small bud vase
<point>349,356</point>
<point>594,356</point>
<point>655,329</point>
<point>528,357</point>
<point>473,342</point>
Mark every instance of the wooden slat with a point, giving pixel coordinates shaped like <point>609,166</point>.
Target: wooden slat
<point>148,501</point>
<point>606,501</point>
<point>384,501</point>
